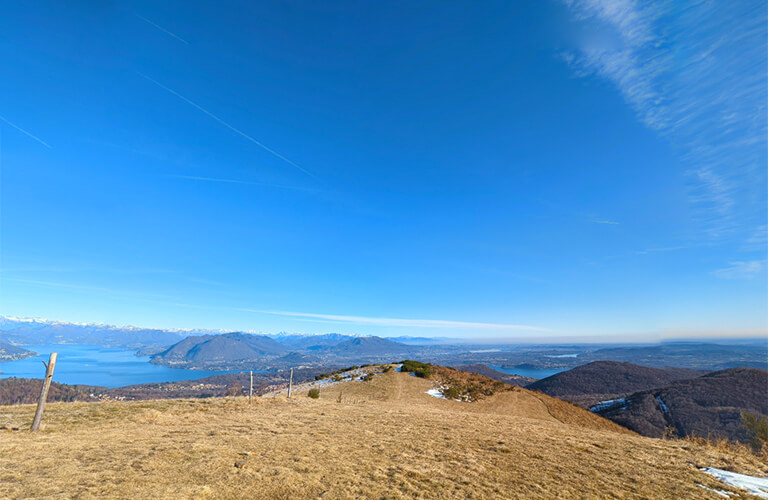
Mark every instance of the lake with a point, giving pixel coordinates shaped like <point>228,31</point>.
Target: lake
<point>93,365</point>
<point>530,372</point>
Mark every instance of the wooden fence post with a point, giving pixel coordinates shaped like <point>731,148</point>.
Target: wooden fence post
<point>44,391</point>
<point>250,393</point>
<point>290,383</point>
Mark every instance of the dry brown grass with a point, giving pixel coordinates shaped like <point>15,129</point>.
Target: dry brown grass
<point>387,439</point>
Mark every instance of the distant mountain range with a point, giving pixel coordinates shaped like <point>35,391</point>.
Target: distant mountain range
<point>368,346</point>
<point>309,342</point>
<point>20,331</point>
<point>214,349</point>
<point>219,349</point>
<point>23,331</point>
<point>248,351</point>
<point>203,348</point>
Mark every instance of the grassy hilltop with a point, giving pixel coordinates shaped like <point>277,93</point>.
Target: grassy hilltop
<point>384,438</point>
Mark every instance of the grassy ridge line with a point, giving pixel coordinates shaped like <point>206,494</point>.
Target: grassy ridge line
<point>405,445</point>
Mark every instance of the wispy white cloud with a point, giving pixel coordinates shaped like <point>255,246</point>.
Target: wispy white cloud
<point>203,281</point>
<point>174,35</point>
<point>87,288</point>
<point>742,270</point>
<point>230,127</point>
<point>696,72</point>
<point>609,222</point>
<point>758,240</point>
<point>80,269</point>
<point>238,181</point>
<point>659,250</point>
<point>402,322</point>
<point>25,132</point>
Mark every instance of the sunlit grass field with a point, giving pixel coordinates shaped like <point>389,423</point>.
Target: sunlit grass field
<point>380,439</point>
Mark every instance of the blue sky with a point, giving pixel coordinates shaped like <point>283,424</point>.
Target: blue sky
<point>518,170</point>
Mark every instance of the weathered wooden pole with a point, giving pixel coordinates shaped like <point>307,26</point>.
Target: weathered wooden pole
<point>290,383</point>
<point>44,391</point>
<point>250,393</point>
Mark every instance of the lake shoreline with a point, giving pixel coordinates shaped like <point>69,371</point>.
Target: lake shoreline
<point>98,366</point>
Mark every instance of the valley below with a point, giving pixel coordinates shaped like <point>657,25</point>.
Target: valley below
<point>126,356</point>
<point>671,395</point>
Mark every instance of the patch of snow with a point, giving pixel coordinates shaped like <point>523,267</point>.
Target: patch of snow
<point>757,486</point>
<point>604,405</point>
<point>435,393</point>
<point>662,405</point>
<point>438,393</point>
<point>722,493</point>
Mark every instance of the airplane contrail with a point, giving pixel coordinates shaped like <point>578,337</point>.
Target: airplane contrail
<point>240,132</point>
<point>418,323</point>
<point>25,132</point>
<point>238,181</point>
<point>174,35</point>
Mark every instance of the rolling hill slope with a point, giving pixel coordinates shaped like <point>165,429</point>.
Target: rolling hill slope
<point>15,391</point>
<point>601,380</point>
<point>310,342</point>
<point>238,351</point>
<point>383,438</point>
<point>367,346</point>
<point>219,350</point>
<point>708,406</point>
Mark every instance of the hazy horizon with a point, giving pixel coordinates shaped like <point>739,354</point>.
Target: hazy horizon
<point>550,339</point>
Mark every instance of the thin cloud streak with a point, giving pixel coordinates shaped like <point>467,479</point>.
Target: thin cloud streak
<point>87,288</point>
<point>80,269</point>
<point>659,250</point>
<point>238,181</point>
<point>174,35</point>
<point>413,323</point>
<point>25,132</point>
<point>758,240</point>
<point>237,131</point>
<point>696,73</point>
<point>742,270</point>
<point>609,222</point>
